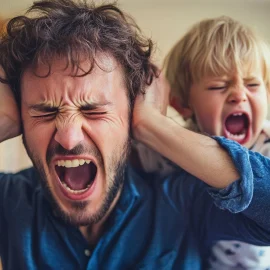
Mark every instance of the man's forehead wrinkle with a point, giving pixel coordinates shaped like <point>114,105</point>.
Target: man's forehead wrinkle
<point>87,93</point>
<point>57,88</point>
<point>60,88</point>
<point>102,60</point>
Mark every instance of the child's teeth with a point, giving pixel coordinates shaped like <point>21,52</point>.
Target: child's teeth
<point>237,136</point>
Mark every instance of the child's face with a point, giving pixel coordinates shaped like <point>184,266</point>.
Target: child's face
<point>233,106</point>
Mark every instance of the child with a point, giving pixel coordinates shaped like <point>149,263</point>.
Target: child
<point>219,76</point>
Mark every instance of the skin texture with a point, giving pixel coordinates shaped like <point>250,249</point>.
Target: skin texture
<point>212,99</point>
<point>67,117</point>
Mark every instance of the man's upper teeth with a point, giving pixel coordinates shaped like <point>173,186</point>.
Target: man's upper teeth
<point>236,114</point>
<point>72,163</point>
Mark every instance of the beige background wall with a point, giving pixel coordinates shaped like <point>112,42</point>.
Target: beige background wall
<point>165,21</point>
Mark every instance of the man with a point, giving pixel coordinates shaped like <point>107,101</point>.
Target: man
<point>79,75</point>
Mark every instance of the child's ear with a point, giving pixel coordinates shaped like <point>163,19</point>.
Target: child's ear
<point>186,112</point>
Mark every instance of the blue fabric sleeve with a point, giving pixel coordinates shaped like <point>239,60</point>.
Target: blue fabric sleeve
<point>2,216</point>
<point>237,196</point>
<point>240,211</point>
<point>3,179</point>
<point>15,189</point>
<point>1,212</point>
<point>250,194</point>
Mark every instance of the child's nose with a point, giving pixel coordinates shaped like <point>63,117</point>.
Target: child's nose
<point>237,95</point>
<point>69,135</point>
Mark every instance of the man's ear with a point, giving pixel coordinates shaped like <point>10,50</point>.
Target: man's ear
<point>186,112</point>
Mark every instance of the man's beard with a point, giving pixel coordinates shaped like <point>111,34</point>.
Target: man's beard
<point>114,178</point>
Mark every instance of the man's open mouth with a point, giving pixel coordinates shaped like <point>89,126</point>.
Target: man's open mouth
<point>237,127</point>
<point>77,175</point>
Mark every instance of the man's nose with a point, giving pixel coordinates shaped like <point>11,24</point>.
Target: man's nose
<point>69,135</point>
<point>237,94</point>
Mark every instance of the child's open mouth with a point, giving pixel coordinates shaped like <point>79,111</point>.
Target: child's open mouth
<point>76,176</point>
<point>237,127</point>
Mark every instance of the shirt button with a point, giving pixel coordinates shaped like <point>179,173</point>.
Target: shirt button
<point>87,252</point>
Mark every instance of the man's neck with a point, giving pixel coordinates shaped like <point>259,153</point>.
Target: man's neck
<point>92,233</point>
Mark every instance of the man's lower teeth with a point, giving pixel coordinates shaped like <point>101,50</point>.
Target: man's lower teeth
<point>75,191</point>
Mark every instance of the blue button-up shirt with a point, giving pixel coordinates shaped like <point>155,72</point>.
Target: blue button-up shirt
<point>158,223</point>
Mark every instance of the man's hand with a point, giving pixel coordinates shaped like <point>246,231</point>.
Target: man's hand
<point>9,115</point>
<point>154,101</point>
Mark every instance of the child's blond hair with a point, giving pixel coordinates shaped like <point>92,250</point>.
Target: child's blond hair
<point>214,47</point>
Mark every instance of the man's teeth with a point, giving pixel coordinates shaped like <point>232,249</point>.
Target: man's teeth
<point>72,163</point>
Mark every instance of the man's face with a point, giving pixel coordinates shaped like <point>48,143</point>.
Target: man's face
<point>76,131</point>
<point>233,106</point>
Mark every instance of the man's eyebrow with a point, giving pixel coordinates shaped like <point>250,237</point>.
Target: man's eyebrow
<point>43,107</point>
<point>93,105</point>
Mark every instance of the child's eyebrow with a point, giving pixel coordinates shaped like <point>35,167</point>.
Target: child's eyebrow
<point>251,78</point>
<point>217,78</point>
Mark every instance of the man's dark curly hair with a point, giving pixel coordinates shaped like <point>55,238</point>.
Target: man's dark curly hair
<point>72,30</point>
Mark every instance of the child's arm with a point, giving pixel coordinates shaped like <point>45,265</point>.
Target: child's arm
<point>198,154</point>
<point>239,211</point>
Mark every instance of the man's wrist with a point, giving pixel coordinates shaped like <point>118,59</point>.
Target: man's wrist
<point>9,129</point>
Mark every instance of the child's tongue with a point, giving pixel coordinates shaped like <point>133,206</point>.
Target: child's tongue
<point>235,124</point>
<point>77,178</point>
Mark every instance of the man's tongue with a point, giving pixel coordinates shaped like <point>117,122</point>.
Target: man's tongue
<point>77,178</point>
<point>235,124</point>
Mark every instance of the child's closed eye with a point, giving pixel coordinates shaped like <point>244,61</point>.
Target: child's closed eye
<point>217,87</point>
<point>253,85</point>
